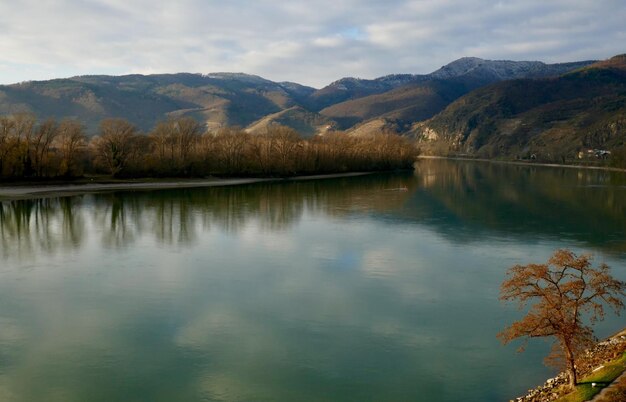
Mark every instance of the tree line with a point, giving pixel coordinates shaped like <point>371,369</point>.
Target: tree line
<point>181,147</point>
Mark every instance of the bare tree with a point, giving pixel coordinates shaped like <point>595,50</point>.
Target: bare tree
<point>161,138</point>
<point>39,146</point>
<point>24,129</point>
<point>174,141</point>
<point>71,142</point>
<point>188,132</point>
<point>230,144</point>
<point>178,146</point>
<point>117,145</point>
<point>7,141</point>
<point>261,146</point>
<point>563,291</point>
<point>285,143</point>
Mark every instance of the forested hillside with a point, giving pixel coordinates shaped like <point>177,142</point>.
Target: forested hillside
<point>551,119</point>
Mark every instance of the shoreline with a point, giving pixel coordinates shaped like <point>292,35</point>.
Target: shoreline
<point>30,191</point>
<point>521,163</point>
<point>552,389</point>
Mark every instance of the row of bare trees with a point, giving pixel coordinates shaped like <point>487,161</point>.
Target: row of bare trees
<point>182,148</point>
<point>49,149</point>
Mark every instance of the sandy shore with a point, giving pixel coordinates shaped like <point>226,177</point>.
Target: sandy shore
<point>12,192</point>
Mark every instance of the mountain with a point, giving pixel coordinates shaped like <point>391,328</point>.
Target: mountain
<point>252,102</point>
<point>217,99</point>
<point>551,118</point>
<point>486,71</point>
<point>408,103</point>
<point>352,88</point>
<point>417,98</point>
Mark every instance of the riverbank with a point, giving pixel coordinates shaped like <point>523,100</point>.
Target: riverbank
<point>524,163</point>
<point>43,190</point>
<point>600,366</point>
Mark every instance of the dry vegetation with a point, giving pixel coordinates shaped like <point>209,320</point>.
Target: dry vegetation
<point>181,147</point>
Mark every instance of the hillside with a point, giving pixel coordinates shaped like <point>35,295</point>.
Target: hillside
<point>375,126</point>
<point>421,97</point>
<point>304,122</point>
<point>550,118</point>
<point>216,99</point>
<point>410,103</point>
<point>353,88</point>
<point>235,99</point>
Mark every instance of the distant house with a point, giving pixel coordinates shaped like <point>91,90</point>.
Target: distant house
<point>594,153</point>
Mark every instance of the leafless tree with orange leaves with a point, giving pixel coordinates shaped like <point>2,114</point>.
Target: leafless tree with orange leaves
<point>564,292</point>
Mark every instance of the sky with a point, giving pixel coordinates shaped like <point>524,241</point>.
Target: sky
<point>312,42</point>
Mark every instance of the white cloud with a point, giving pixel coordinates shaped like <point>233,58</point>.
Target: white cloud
<point>400,33</point>
<point>329,41</point>
<point>312,42</point>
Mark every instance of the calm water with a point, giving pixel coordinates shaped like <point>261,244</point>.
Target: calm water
<point>322,290</point>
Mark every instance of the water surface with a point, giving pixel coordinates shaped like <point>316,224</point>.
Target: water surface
<point>342,289</point>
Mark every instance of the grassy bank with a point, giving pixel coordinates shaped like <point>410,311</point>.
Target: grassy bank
<point>600,365</point>
<point>586,390</point>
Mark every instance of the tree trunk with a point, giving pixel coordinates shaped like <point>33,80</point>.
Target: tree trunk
<point>571,365</point>
<point>573,377</point>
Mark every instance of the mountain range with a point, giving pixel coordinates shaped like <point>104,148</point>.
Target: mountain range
<point>222,99</point>
<point>552,118</point>
<point>487,108</point>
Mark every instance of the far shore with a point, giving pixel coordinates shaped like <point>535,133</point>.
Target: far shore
<point>15,191</point>
<point>523,163</point>
<point>27,190</point>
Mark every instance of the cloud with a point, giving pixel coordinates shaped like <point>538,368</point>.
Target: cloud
<point>311,42</point>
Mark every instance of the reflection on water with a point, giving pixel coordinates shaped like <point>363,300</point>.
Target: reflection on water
<point>588,206</point>
<point>584,205</point>
<point>178,216</point>
<point>33,226</point>
<point>343,289</point>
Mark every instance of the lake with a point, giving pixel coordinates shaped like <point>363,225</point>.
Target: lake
<point>350,289</point>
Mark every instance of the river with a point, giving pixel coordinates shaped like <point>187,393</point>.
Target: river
<point>373,288</point>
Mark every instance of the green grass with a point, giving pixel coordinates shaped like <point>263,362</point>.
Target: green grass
<point>584,391</point>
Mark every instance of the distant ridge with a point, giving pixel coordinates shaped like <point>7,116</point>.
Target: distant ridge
<point>420,97</point>
<point>227,99</point>
<point>549,118</point>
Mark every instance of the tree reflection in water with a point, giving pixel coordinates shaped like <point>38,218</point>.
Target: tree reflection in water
<point>178,217</point>
<point>28,227</point>
<point>502,200</point>
<point>463,201</point>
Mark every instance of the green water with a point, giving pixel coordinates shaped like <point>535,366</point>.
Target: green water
<point>342,289</point>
